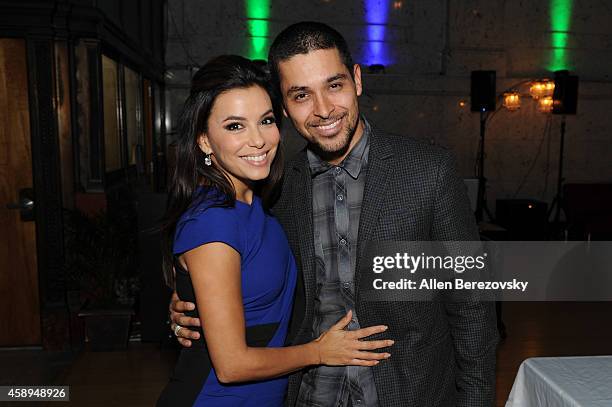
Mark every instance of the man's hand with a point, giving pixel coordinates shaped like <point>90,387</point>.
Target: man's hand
<point>178,318</point>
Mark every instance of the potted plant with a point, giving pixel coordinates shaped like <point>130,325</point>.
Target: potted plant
<point>101,259</point>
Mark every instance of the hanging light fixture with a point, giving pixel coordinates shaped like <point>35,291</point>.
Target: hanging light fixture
<point>512,101</point>
<point>545,104</point>
<point>542,88</point>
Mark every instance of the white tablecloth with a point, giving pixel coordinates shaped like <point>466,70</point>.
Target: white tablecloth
<point>563,382</point>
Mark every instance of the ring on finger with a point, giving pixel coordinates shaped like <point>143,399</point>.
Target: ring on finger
<point>177,328</point>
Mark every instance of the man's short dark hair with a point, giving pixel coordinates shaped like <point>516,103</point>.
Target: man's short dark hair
<point>302,38</point>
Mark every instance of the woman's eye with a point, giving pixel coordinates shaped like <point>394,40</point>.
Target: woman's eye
<point>233,126</point>
<point>268,120</point>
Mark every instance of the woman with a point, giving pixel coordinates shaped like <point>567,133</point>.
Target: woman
<point>231,257</point>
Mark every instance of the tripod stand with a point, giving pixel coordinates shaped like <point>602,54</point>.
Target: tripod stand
<point>481,202</point>
<point>557,203</point>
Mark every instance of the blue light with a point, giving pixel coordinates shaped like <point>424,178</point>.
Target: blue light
<point>376,50</point>
<point>377,11</point>
<point>376,32</point>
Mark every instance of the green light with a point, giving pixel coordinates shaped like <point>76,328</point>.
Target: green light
<point>258,12</point>
<point>258,45</point>
<point>560,21</point>
<point>258,28</point>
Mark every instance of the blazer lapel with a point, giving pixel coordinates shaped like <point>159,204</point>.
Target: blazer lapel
<point>374,193</point>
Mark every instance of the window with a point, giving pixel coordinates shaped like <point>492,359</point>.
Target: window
<point>112,133</point>
<point>133,118</point>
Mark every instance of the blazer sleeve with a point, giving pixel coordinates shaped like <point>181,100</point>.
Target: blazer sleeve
<point>473,324</point>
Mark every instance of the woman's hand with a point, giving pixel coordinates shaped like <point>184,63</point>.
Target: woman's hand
<point>177,310</point>
<point>338,347</point>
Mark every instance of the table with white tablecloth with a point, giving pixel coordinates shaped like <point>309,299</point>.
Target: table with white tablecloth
<point>579,381</point>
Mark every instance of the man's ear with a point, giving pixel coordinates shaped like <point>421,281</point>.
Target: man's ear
<point>357,79</point>
<point>204,144</point>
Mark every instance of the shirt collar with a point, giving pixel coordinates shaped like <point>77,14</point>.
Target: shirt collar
<point>352,163</point>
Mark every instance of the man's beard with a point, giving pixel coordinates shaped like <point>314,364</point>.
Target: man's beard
<point>330,153</point>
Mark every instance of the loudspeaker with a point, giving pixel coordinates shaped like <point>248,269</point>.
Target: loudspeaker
<point>525,219</point>
<point>482,94</point>
<point>565,96</point>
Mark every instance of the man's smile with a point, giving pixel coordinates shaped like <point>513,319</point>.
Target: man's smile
<point>329,128</point>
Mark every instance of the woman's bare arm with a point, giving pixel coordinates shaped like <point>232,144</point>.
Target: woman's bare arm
<point>215,273</point>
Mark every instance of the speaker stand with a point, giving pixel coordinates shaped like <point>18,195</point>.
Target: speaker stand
<point>557,203</point>
<point>481,202</point>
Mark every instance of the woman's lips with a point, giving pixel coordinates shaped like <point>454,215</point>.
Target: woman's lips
<point>259,160</point>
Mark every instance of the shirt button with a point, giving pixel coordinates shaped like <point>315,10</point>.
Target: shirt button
<point>343,242</point>
<point>337,170</point>
<point>340,197</point>
<point>346,284</point>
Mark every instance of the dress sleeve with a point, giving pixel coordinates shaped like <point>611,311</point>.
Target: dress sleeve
<point>207,226</point>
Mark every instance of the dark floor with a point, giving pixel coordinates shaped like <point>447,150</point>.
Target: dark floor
<point>122,378</point>
<point>135,377</point>
<point>32,366</point>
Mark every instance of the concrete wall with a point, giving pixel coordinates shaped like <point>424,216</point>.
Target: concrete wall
<point>432,45</point>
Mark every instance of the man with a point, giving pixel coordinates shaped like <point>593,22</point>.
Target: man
<point>351,185</point>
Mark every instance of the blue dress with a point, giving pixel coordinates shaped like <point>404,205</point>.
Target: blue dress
<point>268,275</point>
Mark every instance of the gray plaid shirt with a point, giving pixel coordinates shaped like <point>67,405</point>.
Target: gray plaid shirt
<point>336,199</point>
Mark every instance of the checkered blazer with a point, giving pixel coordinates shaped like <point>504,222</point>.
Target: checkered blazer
<point>444,353</point>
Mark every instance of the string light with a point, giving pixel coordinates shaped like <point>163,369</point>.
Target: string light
<point>545,104</point>
<point>542,88</point>
<point>512,101</point>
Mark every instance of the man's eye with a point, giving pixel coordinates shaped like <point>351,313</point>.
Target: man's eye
<point>233,126</point>
<point>268,120</point>
<point>335,86</point>
<point>300,96</point>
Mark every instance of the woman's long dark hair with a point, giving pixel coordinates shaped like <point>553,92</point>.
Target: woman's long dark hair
<point>219,75</point>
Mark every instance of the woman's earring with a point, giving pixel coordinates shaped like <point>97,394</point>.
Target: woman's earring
<point>207,160</point>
